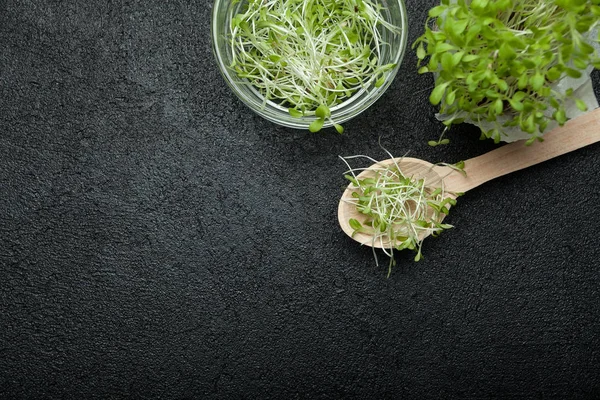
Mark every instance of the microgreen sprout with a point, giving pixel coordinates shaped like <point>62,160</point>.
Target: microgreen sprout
<point>399,210</point>
<point>440,141</point>
<point>497,62</point>
<point>309,55</point>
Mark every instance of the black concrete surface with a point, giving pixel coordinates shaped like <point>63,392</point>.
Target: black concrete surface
<point>158,240</point>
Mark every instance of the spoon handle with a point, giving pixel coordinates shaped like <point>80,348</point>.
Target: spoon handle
<point>576,133</point>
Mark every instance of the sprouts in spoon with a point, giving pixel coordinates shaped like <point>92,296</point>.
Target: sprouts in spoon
<point>397,210</point>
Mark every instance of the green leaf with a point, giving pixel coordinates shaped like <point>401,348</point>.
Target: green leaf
<point>503,5</point>
<point>561,117</point>
<point>421,51</point>
<point>516,105</point>
<point>295,113</point>
<point>528,63</point>
<point>506,52</point>
<point>586,48</point>
<point>438,93</point>
<point>518,96</point>
<point>433,62</point>
<point>530,124</point>
<point>580,63</point>
<point>437,11</point>
<point>447,61</point>
<point>386,67</point>
<point>489,33</point>
<point>322,112</point>
<point>456,57</point>
<point>517,42</point>
<point>473,32</point>
<point>352,37</point>
<point>459,27</point>
<point>354,182</point>
<point>235,21</point>
<point>573,73</point>
<point>522,82</point>
<point>443,47</point>
<point>537,81</point>
<point>553,74</point>
<point>581,104</point>
<point>369,181</point>
<point>354,224</point>
<point>418,257</point>
<point>451,97</point>
<point>339,128</point>
<point>479,3</point>
<point>498,106</point>
<point>316,125</point>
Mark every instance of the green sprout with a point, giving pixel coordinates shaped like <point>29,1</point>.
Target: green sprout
<point>399,210</point>
<point>309,55</point>
<point>497,63</point>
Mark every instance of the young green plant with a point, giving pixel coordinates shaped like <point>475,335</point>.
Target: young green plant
<point>399,210</point>
<point>309,55</point>
<point>499,64</point>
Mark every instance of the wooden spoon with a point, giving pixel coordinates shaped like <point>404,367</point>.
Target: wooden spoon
<point>576,133</point>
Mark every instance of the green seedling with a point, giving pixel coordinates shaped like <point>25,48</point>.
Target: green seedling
<point>309,55</point>
<point>498,62</point>
<point>399,210</point>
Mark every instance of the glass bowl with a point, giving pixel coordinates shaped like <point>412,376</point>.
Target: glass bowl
<point>394,12</point>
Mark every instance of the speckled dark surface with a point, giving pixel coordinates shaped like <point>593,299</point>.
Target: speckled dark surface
<point>157,240</point>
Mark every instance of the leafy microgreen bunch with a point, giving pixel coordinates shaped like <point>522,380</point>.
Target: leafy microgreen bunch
<point>498,60</point>
<point>400,210</point>
<point>309,55</point>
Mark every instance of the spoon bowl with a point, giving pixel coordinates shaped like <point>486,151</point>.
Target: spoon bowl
<point>413,168</point>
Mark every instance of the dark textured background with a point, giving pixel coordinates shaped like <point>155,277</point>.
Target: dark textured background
<point>158,240</point>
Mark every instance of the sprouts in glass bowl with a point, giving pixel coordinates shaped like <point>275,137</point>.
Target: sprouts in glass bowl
<point>309,64</point>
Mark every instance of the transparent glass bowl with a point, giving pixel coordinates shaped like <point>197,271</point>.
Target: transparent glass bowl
<point>394,12</point>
